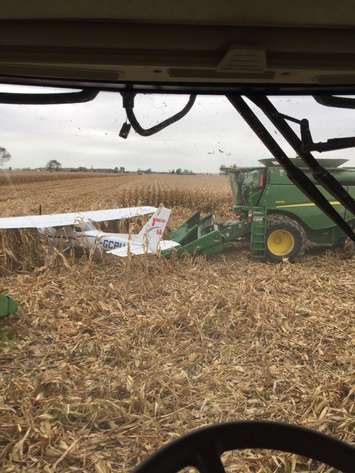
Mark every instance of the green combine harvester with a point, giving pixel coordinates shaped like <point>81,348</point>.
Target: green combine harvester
<point>272,214</point>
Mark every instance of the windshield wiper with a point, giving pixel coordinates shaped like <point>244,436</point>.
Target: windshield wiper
<point>81,96</point>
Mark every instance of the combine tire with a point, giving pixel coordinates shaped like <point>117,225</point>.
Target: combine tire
<point>285,239</point>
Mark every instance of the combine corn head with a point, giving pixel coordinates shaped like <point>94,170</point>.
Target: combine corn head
<point>202,235</point>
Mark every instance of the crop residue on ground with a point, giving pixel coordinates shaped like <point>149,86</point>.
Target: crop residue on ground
<point>110,359</point>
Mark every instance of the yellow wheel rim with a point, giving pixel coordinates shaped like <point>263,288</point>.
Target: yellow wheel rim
<point>280,242</point>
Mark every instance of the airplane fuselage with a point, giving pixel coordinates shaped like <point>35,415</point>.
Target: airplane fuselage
<point>92,238</point>
<point>107,241</point>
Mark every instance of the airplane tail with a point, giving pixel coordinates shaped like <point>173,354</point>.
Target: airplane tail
<point>153,230</point>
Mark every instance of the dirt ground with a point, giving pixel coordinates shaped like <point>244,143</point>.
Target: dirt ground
<point>110,359</point>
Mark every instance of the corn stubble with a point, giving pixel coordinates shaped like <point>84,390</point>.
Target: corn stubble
<point>111,358</point>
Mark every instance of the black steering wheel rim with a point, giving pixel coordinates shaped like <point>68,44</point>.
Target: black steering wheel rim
<point>202,448</point>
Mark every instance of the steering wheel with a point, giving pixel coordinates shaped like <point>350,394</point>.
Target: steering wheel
<point>203,448</point>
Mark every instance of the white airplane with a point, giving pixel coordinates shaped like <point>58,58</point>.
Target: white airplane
<point>77,229</point>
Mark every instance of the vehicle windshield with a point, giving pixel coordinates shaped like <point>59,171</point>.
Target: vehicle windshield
<point>237,305</point>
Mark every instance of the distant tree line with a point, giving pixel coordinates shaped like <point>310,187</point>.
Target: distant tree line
<point>180,171</point>
<point>55,165</point>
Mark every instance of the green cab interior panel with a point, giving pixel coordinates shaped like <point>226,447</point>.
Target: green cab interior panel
<point>8,306</point>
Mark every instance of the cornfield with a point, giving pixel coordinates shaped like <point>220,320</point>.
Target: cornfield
<point>110,358</point>
<point>65,194</point>
<point>23,250</point>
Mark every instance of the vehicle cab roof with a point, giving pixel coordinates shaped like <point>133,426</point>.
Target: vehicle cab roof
<point>186,42</point>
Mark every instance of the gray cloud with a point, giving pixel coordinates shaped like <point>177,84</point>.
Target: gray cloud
<point>212,134</point>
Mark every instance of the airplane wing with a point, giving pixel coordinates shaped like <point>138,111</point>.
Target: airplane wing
<point>59,220</point>
<point>140,250</point>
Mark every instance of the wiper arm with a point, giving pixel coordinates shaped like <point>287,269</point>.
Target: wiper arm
<point>320,174</point>
<point>334,101</point>
<point>128,104</point>
<point>333,143</point>
<point>330,145</point>
<point>48,99</point>
<point>299,178</point>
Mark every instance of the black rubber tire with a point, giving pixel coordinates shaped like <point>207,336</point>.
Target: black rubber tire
<point>282,222</point>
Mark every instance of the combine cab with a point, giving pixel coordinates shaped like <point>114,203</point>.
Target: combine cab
<point>277,227</point>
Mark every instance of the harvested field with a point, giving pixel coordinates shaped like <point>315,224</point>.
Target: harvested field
<point>110,359</point>
<point>8,178</point>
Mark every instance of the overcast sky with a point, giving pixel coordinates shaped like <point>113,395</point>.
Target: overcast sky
<point>210,135</point>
